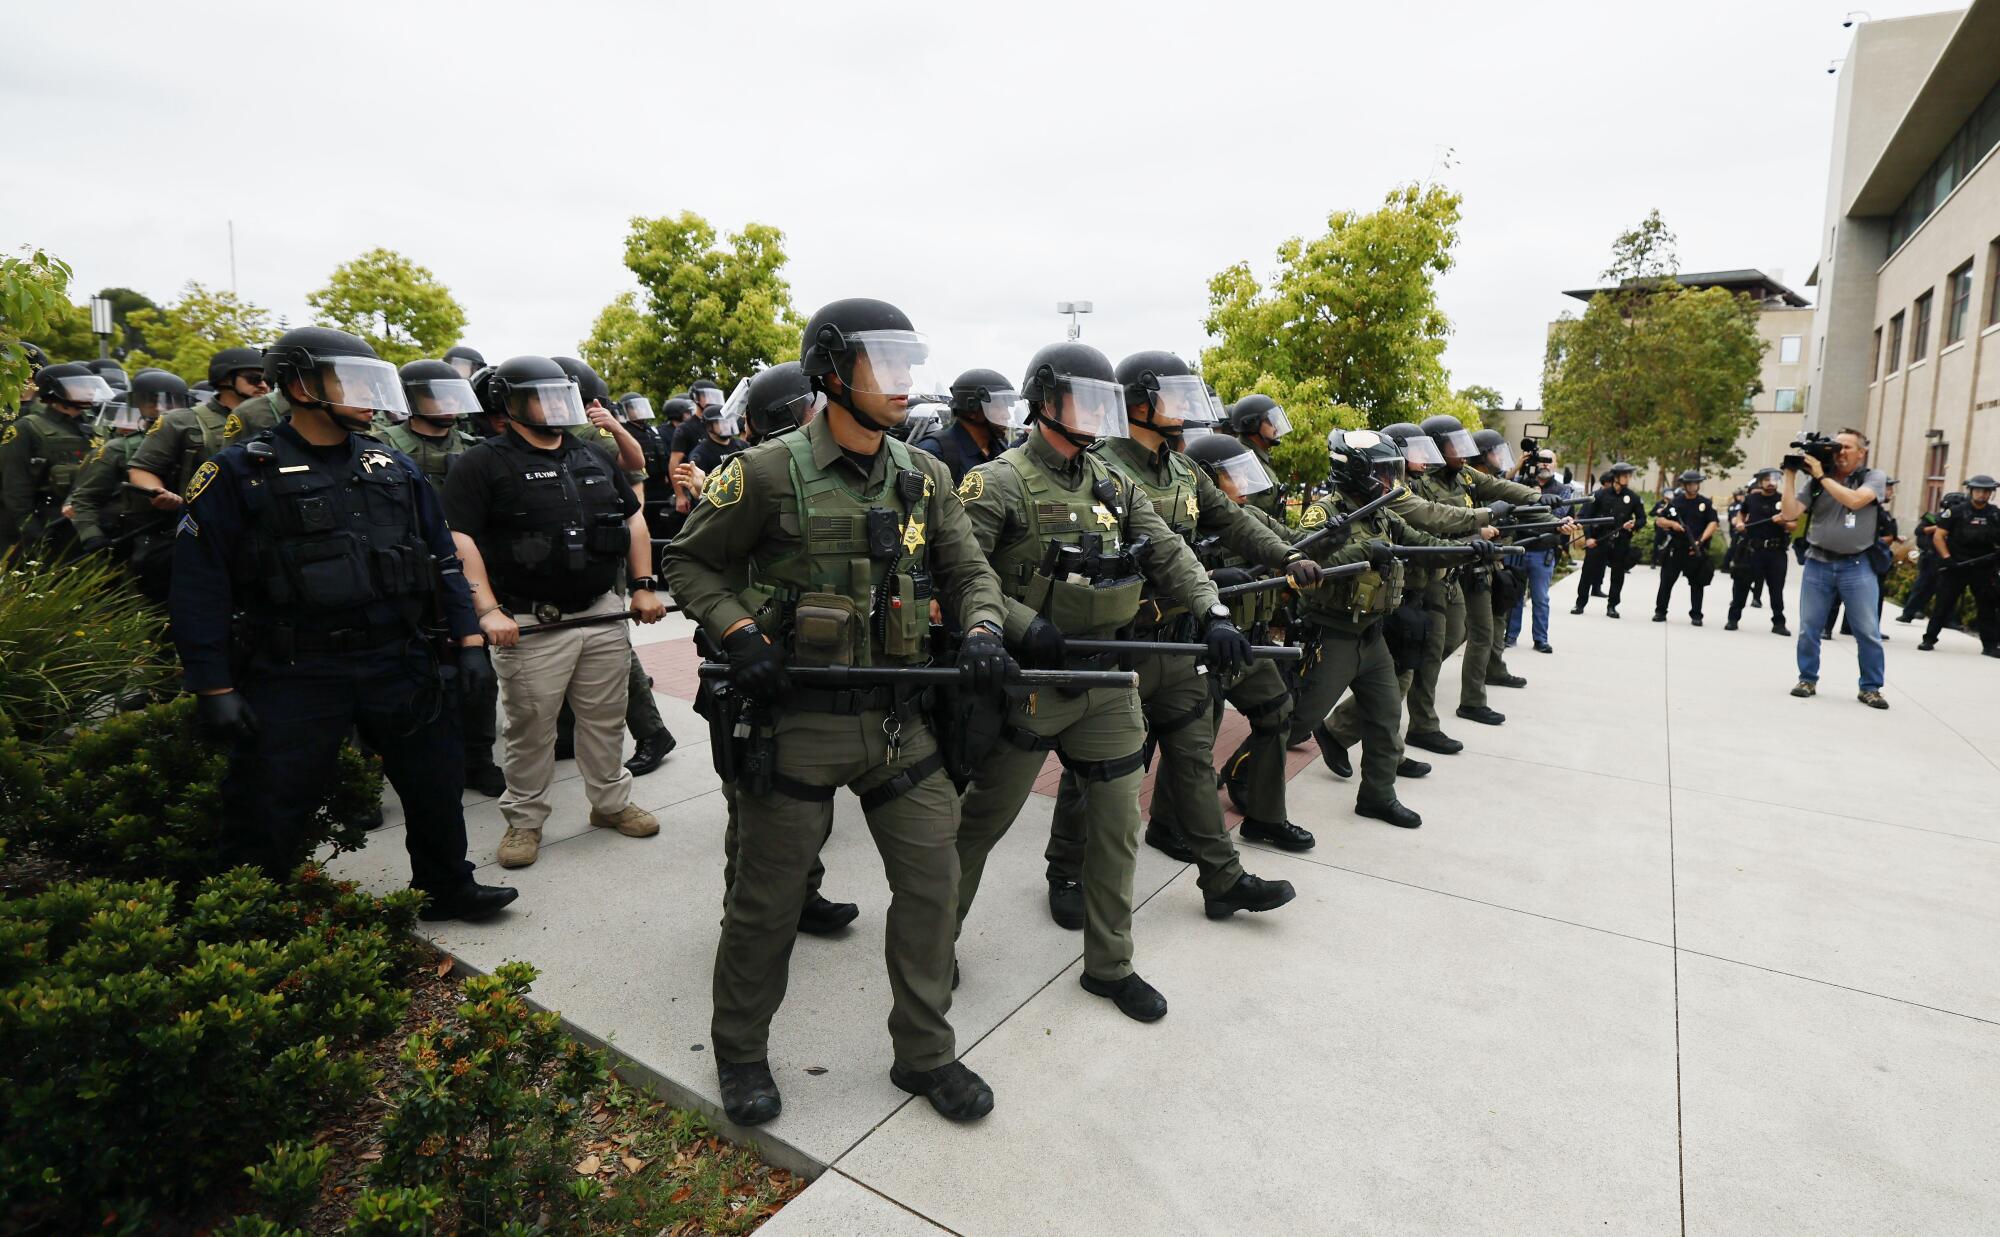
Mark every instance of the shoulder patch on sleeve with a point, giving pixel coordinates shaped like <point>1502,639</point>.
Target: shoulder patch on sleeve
<point>1313,516</point>
<point>154,428</point>
<point>233,426</point>
<point>725,488</point>
<point>9,434</point>
<point>969,490</point>
<point>202,476</point>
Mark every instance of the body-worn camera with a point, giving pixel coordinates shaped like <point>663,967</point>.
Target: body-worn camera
<point>1819,446</point>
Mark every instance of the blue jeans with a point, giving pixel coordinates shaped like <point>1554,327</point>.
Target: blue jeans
<point>1854,582</point>
<point>1541,565</point>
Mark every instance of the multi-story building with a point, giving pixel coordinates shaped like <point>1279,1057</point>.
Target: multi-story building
<point>1907,332</point>
<point>1784,323</point>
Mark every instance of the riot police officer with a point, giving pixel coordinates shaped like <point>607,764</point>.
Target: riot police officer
<point>634,411</point>
<point>1258,422</point>
<point>111,371</point>
<point>722,430</point>
<point>1075,542</point>
<point>1967,536</point>
<point>1162,397</point>
<point>306,567</point>
<point>1685,523</point>
<point>465,360</point>
<point>981,403</point>
<point>1610,547</point>
<point>109,514</point>
<point>780,399</point>
<point>1760,550</point>
<point>845,533</point>
<point>41,453</point>
<point>702,396</point>
<point>602,428</point>
<point>182,439</point>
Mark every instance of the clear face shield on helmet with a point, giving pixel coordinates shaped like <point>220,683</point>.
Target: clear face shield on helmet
<point>1459,447</point>
<point>121,418</point>
<point>551,403</point>
<point>728,423</point>
<point>1420,452</point>
<point>1088,407</point>
<point>996,407</point>
<point>441,398</point>
<point>1280,424</point>
<point>1501,457</point>
<point>85,389</point>
<point>889,364</point>
<point>355,382</point>
<point>706,398</point>
<point>635,408</point>
<point>1245,475</point>
<point>922,421</point>
<point>1182,399</point>
<point>463,365</point>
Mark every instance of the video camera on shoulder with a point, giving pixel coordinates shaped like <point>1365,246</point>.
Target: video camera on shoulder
<point>1819,446</point>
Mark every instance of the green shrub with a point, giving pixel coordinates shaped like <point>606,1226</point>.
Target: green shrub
<point>152,1051</point>
<point>141,795</point>
<point>75,637</point>
<point>491,1101</point>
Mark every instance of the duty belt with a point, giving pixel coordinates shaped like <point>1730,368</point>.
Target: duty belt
<point>542,611</point>
<point>852,701</point>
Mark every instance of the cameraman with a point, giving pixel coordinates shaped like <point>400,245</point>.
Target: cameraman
<point>1844,501</point>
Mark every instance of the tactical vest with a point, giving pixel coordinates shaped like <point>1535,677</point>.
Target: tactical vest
<point>1359,599</point>
<point>126,506</point>
<point>1270,501</point>
<point>209,420</point>
<point>331,545</point>
<point>856,590</point>
<point>561,529</point>
<point>659,487</point>
<point>432,456</point>
<point>1974,531</point>
<point>57,449</point>
<point>1176,501</point>
<point>1099,588</point>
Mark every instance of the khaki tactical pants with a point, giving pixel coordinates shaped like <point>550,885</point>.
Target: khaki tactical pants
<point>1334,664</point>
<point>586,666</point>
<point>1180,714</point>
<point>778,840</point>
<point>1099,727</point>
<point>1258,764</point>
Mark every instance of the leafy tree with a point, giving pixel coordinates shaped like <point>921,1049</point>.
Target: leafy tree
<point>32,300</point>
<point>705,310</point>
<point>1653,370</point>
<point>181,337</point>
<point>1354,311</point>
<point>397,306</point>
<point>1491,408</point>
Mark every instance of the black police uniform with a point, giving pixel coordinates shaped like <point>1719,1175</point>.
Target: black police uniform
<point>709,455</point>
<point>690,431</point>
<point>303,577</point>
<point>1613,548</point>
<point>1969,532</point>
<point>658,494</point>
<point>1684,553</point>
<point>1761,556</point>
<point>960,451</point>
<point>1928,562</point>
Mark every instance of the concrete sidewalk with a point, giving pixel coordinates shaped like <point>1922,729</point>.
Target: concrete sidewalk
<point>1673,952</point>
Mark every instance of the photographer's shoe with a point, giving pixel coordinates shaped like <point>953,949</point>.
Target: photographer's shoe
<point>1543,647</point>
<point>956,1092</point>
<point>1481,714</point>
<point>1434,741</point>
<point>749,1093</point>
<point>1332,752</point>
<point>1249,893</point>
<point>1927,644</point>
<point>1906,618</point>
<point>1805,688</point>
<point>1872,699</point>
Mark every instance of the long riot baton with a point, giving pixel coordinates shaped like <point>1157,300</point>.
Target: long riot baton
<point>588,620</point>
<point>839,677</point>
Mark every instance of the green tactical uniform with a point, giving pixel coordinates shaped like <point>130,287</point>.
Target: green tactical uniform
<point>1256,770</point>
<point>603,439</point>
<point>1019,503</point>
<point>795,509</point>
<point>255,415</point>
<point>1431,587</point>
<point>1469,617</point>
<point>40,456</point>
<point>180,441</point>
<point>1344,620</point>
<point>1173,692</point>
<point>100,505</point>
<point>1270,501</point>
<point>432,454</point>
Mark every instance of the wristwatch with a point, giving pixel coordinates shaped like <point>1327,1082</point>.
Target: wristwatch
<point>1218,612</point>
<point>650,584</point>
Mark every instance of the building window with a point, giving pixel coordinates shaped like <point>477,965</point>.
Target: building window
<point>1993,284</point>
<point>1920,334</point>
<point>1958,293</point>
<point>1979,134</point>
<point>1935,461</point>
<point>1894,354</point>
<point>1788,350</point>
<point>1875,357</point>
<point>1787,400</point>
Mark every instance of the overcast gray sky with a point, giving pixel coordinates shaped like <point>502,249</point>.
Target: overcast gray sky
<point>973,164</point>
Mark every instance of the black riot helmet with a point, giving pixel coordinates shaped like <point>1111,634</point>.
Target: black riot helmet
<point>466,361</point>
<point>1096,404</point>
<point>780,398</point>
<point>435,391</point>
<point>1453,443</point>
<point>73,383</point>
<point>1253,412</point>
<point>677,409</point>
<point>153,392</point>
<point>1226,459</point>
<point>1419,452</point>
<point>705,394</point>
<point>535,391</point>
<point>36,357</point>
<point>112,373</point>
<point>226,364</point>
<point>1363,463</point>
<point>1492,447</point>
<point>633,406</point>
<point>335,370</point>
<point>872,348</point>
<point>589,387</point>
<point>1160,387</point>
<point>984,395</point>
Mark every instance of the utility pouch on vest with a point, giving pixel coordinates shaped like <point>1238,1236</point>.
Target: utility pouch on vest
<point>62,475</point>
<point>1404,633</point>
<point>38,469</point>
<point>574,552</point>
<point>332,573</point>
<point>903,615</point>
<point>610,535</point>
<point>823,629</point>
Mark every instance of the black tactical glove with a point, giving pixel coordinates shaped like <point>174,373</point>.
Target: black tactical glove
<point>91,545</point>
<point>755,666</point>
<point>985,656</point>
<point>1042,645</point>
<point>1484,551</point>
<point>1225,577</point>
<point>1303,571</point>
<point>1499,508</point>
<point>1550,498</point>
<point>475,671</point>
<point>225,716</point>
<point>1380,555</point>
<point>1228,648</point>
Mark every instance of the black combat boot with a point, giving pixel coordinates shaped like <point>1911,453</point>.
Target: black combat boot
<point>1249,893</point>
<point>749,1093</point>
<point>1134,997</point>
<point>1166,839</point>
<point>819,917</point>
<point>650,751</point>
<point>1066,904</point>
<point>1332,752</point>
<point>1392,811</point>
<point>955,1091</point>
<point>1284,835</point>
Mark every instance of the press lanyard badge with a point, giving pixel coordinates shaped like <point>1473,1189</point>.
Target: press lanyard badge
<point>1850,519</point>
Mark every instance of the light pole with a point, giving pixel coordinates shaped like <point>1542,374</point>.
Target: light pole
<point>100,324</point>
<point>1073,308</point>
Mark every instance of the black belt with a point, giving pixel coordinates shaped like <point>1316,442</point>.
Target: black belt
<point>350,639</point>
<point>851,701</point>
<point>544,611</point>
